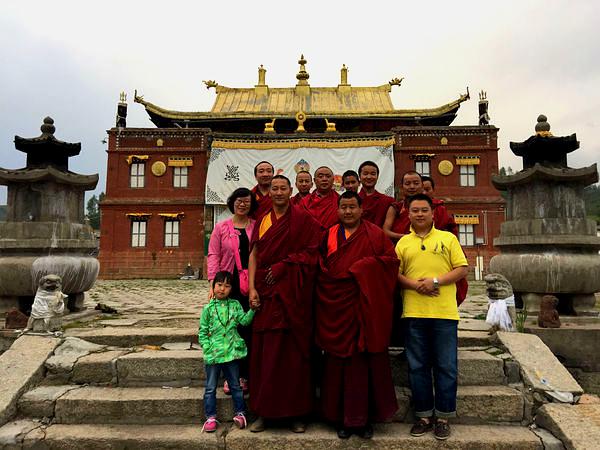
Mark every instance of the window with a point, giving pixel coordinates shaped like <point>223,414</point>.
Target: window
<point>467,175</point>
<point>466,235</point>
<point>136,175</point>
<point>423,168</point>
<point>180,177</point>
<point>138,233</point>
<point>171,233</point>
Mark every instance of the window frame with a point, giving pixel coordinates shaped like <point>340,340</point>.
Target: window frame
<point>136,235</point>
<point>467,174</point>
<point>172,236</point>
<point>138,179</point>
<point>422,164</point>
<point>466,233</point>
<point>180,177</point>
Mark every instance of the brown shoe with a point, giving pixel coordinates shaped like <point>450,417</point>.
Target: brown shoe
<point>441,430</point>
<point>258,425</point>
<point>298,426</point>
<point>421,427</point>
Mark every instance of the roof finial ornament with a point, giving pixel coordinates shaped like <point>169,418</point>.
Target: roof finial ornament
<point>482,95</point>
<point>484,117</point>
<point>344,75</point>
<point>542,127</point>
<point>302,74</point>
<point>261,76</point>
<point>210,84</point>
<point>48,127</point>
<point>122,97</point>
<point>396,81</point>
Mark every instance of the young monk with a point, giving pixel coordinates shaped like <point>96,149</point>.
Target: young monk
<point>263,173</point>
<point>375,204</point>
<point>304,184</point>
<point>322,202</point>
<point>350,181</point>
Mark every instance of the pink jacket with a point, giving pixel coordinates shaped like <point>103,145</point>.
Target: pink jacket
<point>222,246</point>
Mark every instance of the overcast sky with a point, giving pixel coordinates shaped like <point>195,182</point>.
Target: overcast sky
<point>70,60</point>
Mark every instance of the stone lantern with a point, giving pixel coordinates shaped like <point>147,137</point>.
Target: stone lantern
<point>45,230</point>
<point>548,245</point>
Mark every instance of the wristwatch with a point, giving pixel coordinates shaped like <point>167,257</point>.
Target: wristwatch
<point>436,283</point>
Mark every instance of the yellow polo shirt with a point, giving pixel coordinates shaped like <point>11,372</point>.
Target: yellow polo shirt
<point>431,256</point>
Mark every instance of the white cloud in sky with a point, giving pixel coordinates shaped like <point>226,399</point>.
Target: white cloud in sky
<point>70,60</point>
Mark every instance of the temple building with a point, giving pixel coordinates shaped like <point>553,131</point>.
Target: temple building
<point>167,186</point>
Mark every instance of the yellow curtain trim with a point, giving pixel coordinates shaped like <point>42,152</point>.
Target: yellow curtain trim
<point>130,158</point>
<point>134,215</point>
<point>467,160</point>
<point>180,162</point>
<point>466,219</point>
<point>300,143</point>
<point>172,215</point>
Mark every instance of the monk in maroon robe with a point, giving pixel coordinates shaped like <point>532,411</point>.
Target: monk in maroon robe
<point>354,320</point>
<point>304,184</point>
<point>282,270</point>
<point>374,204</point>
<point>263,172</point>
<point>322,202</point>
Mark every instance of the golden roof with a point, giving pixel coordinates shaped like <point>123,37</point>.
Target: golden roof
<point>262,101</point>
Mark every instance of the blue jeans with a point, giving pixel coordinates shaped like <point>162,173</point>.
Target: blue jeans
<point>432,345</point>
<point>231,371</point>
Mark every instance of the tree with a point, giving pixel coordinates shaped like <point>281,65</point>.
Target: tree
<point>93,211</point>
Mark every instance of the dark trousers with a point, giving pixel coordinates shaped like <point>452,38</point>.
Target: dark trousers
<point>432,349</point>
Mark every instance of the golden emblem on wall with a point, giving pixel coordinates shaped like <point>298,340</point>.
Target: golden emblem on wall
<point>445,167</point>
<point>159,168</point>
<point>159,142</point>
<point>300,118</point>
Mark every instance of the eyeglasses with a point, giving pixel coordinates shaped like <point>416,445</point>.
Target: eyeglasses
<point>239,201</point>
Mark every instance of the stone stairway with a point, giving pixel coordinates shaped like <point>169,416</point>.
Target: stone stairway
<point>123,391</point>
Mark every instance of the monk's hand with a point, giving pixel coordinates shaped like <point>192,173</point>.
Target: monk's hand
<point>254,299</point>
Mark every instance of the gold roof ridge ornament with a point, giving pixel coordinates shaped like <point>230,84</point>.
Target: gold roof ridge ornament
<point>344,86</point>
<point>261,88</point>
<point>210,84</point>
<point>300,118</point>
<point>302,87</point>
<point>122,97</point>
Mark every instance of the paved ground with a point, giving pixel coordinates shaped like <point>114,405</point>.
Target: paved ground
<point>179,302</point>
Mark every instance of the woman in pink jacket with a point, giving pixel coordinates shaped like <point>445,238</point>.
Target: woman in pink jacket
<point>229,250</point>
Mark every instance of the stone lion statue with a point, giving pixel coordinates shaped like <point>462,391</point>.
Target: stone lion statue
<point>48,306</point>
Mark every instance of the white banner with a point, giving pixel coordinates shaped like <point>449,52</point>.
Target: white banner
<point>230,168</point>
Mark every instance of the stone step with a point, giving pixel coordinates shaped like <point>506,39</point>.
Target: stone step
<point>317,436</point>
<point>153,405</point>
<point>186,367</point>
<point>475,368</point>
<point>132,337</point>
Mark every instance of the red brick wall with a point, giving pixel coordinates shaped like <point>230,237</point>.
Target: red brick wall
<point>482,199</point>
<point>118,259</point>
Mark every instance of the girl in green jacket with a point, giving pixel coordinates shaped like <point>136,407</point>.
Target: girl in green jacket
<point>223,347</point>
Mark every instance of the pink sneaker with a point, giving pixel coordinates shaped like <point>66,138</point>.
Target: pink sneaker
<point>226,389</point>
<point>244,385</point>
<point>240,420</point>
<point>210,426</point>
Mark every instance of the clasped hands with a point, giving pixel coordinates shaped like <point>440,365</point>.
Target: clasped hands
<point>425,286</point>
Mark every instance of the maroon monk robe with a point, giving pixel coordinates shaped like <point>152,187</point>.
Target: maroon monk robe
<point>297,199</point>
<point>375,207</point>
<point>323,209</point>
<point>353,326</point>
<point>264,203</point>
<point>280,371</point>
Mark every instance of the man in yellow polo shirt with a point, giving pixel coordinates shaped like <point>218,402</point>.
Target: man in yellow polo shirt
<point>431,261</point>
